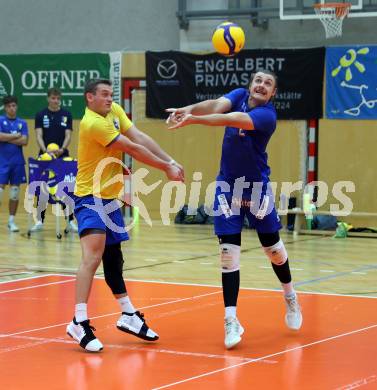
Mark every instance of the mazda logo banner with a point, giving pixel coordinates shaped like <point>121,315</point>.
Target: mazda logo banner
<point>176,79</point>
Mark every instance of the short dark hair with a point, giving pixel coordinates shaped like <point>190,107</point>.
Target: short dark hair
<point>9,99</point>
<point>92,84</point>
<point>54,91</point>
<point>270,72</point>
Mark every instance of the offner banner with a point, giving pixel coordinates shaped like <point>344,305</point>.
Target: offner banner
<point>30,76</point>
<point>177,79</point>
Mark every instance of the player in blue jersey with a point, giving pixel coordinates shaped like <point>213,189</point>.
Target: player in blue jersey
<point>13,136</point>
<point>53,125</point>
<point>243,188</point>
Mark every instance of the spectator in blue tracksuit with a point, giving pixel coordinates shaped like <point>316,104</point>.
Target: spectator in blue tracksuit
<point>13,137</point>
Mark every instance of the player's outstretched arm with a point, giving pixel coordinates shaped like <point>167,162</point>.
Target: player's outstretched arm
<point>206,107</point>
<point>139,137</point>
<point>142,154</point>
<point>239,120</point>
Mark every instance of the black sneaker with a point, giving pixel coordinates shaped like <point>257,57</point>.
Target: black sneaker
<point>83,333</point>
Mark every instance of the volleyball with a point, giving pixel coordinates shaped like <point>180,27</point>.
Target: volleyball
<point>45,157</point>
<point>52,147</point>
<point>228,38</point>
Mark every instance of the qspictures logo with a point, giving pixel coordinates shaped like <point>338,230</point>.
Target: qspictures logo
<point>6,83</point>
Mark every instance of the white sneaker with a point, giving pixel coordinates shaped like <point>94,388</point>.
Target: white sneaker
<point>233,332</point>
<point>135,324</point>
<point>37,227</point>
<point>73,227</point>
<point>13,227</point>
<point>293,317</point>
<point>83,333</point>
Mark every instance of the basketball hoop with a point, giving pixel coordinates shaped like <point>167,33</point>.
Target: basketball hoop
<point>331,15</point>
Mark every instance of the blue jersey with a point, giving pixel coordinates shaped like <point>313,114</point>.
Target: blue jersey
<point>53,125</point>
<point>244,151</point>
<point>11,154</point>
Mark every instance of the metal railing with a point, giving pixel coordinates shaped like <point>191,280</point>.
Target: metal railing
<point>258,12</point>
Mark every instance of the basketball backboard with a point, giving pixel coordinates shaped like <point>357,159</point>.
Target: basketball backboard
<point>289,10</point>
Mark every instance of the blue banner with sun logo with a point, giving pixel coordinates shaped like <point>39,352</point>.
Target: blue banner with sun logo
<point>351,82</point>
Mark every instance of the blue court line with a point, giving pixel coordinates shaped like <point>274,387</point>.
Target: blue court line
<point>363,268</point>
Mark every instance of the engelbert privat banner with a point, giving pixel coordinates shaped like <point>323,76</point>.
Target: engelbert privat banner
<point>176,79</point>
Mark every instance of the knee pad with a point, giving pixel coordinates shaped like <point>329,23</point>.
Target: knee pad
<point>230,257</point>
<point>112,260</point>
<point>14,193</point>
<point>276,253</point>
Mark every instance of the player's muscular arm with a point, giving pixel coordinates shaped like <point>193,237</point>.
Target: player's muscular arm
<point>142,154</point>
<point>234,119</point>
<point>219,105</point>
<point>206,107</point>
<point>138,137</point>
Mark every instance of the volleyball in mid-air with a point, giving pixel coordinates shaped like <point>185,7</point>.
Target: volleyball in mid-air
<point>228,38</point>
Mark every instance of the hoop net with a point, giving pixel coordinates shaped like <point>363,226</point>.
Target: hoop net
<point>332,15</point>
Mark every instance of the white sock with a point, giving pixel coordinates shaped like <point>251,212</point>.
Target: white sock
<point>1,194</point>
<point>126,304</point>
<point>288,289</point>
<point>11,218</point>
<point>231,311</point>
<point>81,312</point>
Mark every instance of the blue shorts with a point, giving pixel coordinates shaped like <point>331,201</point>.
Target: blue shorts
<point>94,213</point>
<point>12,174</point>
<point>259,209</point>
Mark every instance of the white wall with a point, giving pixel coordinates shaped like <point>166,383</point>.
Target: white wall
<point>48,26</point>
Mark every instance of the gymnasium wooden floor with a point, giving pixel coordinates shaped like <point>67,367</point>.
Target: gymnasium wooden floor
<point>173,277</point>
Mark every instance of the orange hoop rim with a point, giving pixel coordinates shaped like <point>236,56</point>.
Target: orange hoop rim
<point>341,9</point>
<point>333,5</point>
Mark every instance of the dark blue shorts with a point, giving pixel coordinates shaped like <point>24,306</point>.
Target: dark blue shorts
<point>94,213</point>
<point>12,174</point>
<point>258,208</point>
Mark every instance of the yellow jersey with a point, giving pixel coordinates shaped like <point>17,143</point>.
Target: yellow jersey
<point>98,164</point>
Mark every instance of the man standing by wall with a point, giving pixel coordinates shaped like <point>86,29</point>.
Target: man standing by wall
<point>53,125</point>
<point>13,136</point>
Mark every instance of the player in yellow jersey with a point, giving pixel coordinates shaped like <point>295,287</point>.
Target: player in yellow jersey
<point>105,133</point>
